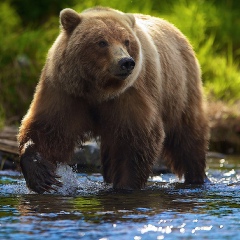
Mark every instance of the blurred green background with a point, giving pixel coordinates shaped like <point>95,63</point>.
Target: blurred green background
<point>28,28</point>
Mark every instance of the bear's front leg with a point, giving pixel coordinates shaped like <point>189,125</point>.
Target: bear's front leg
<point>39,173</point>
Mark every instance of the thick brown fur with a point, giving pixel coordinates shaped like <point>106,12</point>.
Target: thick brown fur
<point>153,110</point>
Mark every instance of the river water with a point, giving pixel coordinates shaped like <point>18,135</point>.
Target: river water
<point>85,208</point>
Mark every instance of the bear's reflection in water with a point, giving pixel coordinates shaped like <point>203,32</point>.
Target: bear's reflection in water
<point>109,205</point>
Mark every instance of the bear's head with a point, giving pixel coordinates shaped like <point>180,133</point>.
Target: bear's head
<point>97,55</point>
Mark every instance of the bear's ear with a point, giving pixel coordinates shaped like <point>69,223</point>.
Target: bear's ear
<point>130,19</point>
<point>69,19</point>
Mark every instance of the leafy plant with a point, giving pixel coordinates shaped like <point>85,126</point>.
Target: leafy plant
<point>28,29</point>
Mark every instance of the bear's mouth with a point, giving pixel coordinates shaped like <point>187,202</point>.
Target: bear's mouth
<point>123,75</point>
<point>114,83</point>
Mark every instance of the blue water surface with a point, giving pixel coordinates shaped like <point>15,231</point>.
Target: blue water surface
<point>86,208</point>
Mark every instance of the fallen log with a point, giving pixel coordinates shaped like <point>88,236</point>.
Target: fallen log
<point>8,140</point>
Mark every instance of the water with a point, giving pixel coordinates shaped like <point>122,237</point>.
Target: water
<point>86,208</point>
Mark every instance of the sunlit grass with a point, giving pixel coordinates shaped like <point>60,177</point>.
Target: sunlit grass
<point>207,24</point>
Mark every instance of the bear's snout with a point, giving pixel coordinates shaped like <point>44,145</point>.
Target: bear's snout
<point>125,66</point>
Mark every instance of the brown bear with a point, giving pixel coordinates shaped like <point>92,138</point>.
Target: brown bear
<point>130,79</point>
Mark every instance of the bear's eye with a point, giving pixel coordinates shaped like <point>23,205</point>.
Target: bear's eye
<point>126,43</point>
<point>103,43</point>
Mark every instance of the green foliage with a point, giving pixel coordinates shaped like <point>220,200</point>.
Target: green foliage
<point>22,55</point>
<point>2,117</point>
<point>37,13</point>
<point>28,28</point>
<point>125,6</point>
<point>201,21</point>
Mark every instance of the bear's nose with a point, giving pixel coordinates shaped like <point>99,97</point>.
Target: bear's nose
<point>126,64</point>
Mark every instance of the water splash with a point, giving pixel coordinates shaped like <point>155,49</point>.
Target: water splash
<point>68,178</point>
<point>75,184</point>
<point>12,182</point>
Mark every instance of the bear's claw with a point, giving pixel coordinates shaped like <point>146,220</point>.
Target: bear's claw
<point>39,174</point>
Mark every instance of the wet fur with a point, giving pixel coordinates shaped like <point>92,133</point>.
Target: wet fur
<point>155,112</point>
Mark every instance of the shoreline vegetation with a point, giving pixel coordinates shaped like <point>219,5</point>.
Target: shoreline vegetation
<point>29,28</point>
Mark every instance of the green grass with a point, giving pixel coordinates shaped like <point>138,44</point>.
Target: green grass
<point>212,26</point>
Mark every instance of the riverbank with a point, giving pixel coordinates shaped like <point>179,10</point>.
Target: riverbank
<point>224,121</point>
